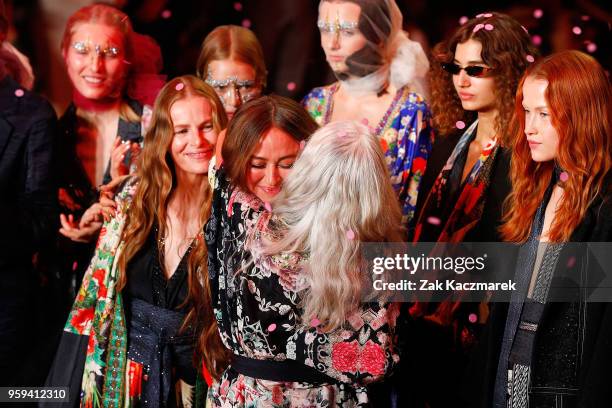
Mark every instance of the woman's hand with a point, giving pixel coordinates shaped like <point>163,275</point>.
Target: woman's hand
<point>107,198</point>
<point>218,148</point>
<point>118,167</point>
<point>86,230</point>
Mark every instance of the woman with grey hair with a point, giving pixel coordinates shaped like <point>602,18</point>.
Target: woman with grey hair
<point>288,300</point>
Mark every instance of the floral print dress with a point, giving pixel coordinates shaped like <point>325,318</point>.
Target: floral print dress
<point>256,306</point>
<point>405,134</point>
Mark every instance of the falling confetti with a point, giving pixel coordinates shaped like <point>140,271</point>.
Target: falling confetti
<point>364,121</point>
<point>179,86</point>
<point>246,23</point>
<point>591,47</point>
<point>291,86</point>
<point>585,18</point>
<point>238,6</point>
<point>478,27</point>
<point>530,58</point>
<point>268,206</point>
<point>350,234</point>
<point>302,144</point>
<point>19,93</point>
<point>571,261</point>
<point>473,318</point>
<point>463,20</point>
<point>577,30</point>
<point>433,220</point>
<point>166,14</point>
<point>538,13</point>
<point>489,27</point>
<point>564,176</point>
<point>536,40</point>
<point>315,322</point>
<point>525,29</point>
<point>460,124</point>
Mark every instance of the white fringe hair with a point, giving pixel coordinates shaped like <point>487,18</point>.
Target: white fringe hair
<point>340,183</point>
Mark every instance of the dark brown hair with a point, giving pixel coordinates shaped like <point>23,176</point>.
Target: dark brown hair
<point>252,121</point>
<point>504,48</point>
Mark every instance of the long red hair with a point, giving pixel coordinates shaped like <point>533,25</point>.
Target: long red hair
<point>578,95</point>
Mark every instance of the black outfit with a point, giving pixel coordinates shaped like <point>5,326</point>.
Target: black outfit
<point>77,193</point>
<point>29,219</point>
<point>154,311</point>
<point>570,351</point>
<point>499,188</point>
<point>435,356</point>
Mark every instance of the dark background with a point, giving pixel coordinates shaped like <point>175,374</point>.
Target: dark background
<point>288,33</point>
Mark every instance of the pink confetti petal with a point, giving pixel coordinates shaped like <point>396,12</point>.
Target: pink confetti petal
<point>478,28</point>
<point>460,124</point>
<point>246,23</point>
<point>179,86</point>
<point>75,265</point>
<point>302,144</point>
<point>525,29</point>
<point>463,20</point>
<point>19,93</point>
<point>530,58</point>
<point>571,261</point>
<point>315,322</point>
<point>591,47</point>
<point>564,176</point>
<point>536,40</point>
<point>538,13</point>
<point>479,15</point>
<point>364,121</point>
<point>577,30</point>
<point>489,27</point>
<point>268,206</point>
<point>291,86</point>
<point>487,15</point>
<point>238,6</point>
<point>434,220</point>
<point>585,18</point>
<point>166,14</point>
<point>350,234</point>
<point>271,327</point>
<point>473,318</point>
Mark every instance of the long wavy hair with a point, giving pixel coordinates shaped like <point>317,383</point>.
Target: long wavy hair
<point>232,42</point>
<point>579,98</point>
<point>337,197</point>
<point>157,180</point>
<point>504,48</point>
<point>252,121</point>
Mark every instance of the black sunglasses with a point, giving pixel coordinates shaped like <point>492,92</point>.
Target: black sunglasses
<point>475,71</point>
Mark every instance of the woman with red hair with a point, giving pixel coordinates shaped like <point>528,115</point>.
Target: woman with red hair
<point>556,344</point>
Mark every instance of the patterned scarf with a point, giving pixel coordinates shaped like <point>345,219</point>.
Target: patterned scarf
<point>441,223</point>
<point>98,313</point>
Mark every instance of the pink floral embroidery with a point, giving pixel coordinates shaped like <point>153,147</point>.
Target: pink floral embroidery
<point>344,356</point>
<point>277,395</point>
<point>373,359</point>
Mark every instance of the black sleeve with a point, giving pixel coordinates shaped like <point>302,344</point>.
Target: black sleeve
<point>30,219</point>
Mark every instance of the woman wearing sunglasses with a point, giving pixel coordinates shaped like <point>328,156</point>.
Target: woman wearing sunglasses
<point>473,81</point>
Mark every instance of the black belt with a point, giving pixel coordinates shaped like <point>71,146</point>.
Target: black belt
<point>281,371</point>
